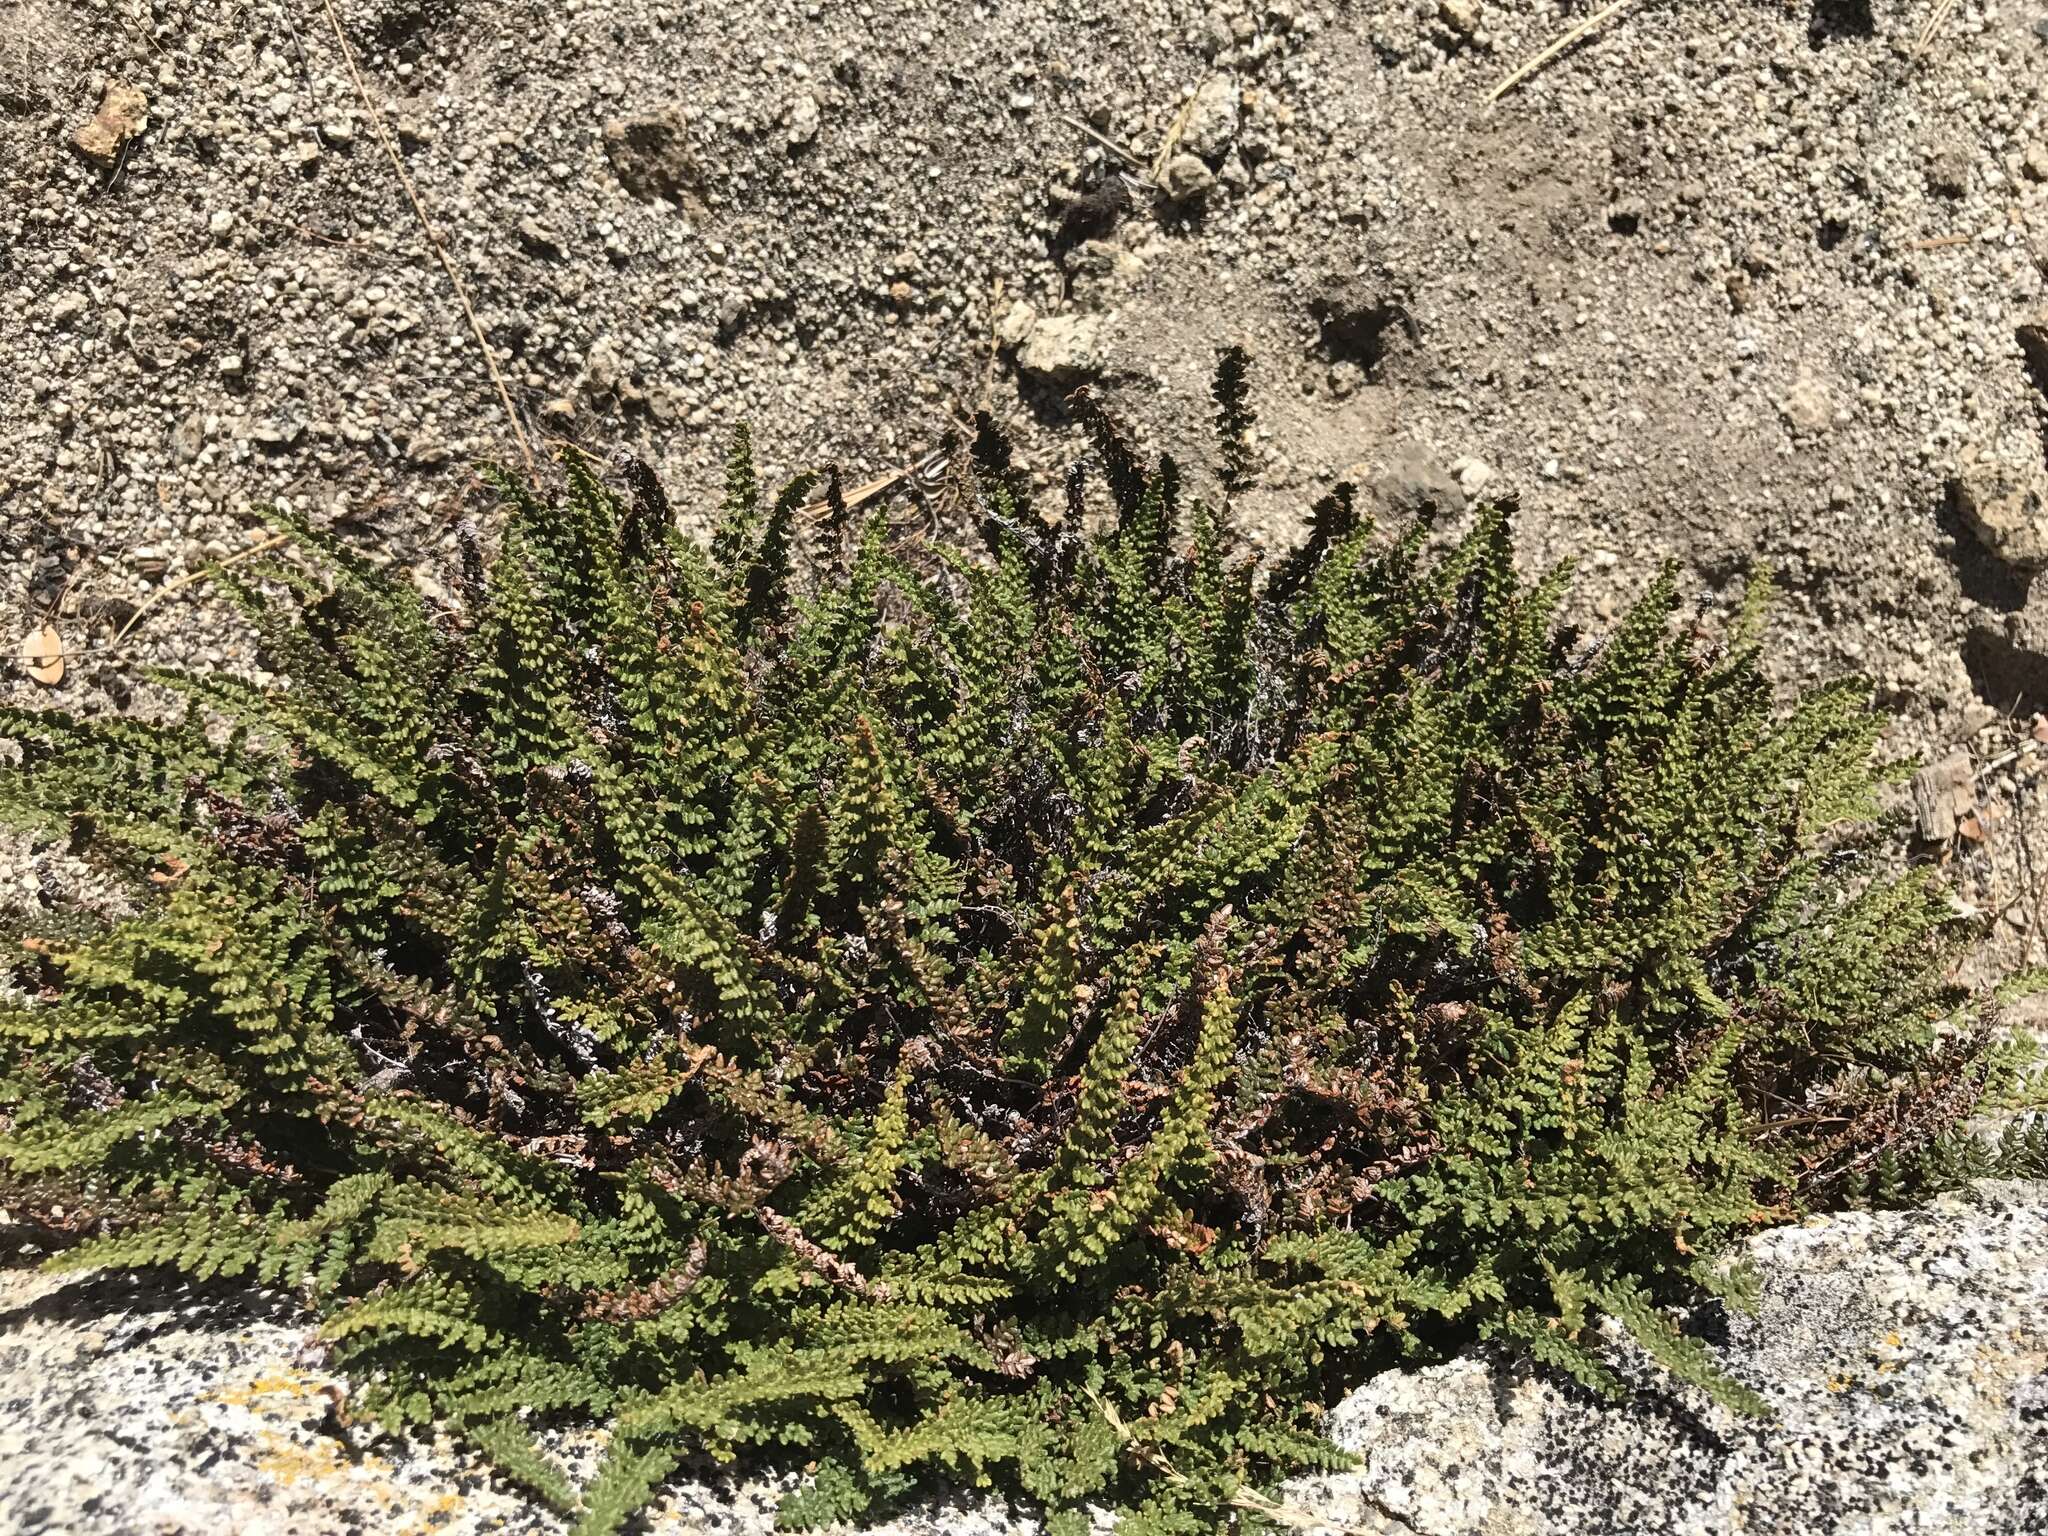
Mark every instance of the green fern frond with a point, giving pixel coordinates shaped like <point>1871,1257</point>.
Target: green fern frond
<point>1053,1012</point>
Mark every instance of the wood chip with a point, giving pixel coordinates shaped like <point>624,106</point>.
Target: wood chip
<point>1942,792</point>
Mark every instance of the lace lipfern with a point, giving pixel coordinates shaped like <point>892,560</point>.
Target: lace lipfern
<point>1051,1014</point>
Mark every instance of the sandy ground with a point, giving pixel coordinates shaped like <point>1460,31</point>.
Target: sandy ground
<point>1731,281</point>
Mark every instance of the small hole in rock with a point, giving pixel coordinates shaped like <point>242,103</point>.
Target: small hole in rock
<point>1840,21</point>
<point>2006,676</point>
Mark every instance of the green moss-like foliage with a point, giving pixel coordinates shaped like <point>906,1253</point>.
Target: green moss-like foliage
<point>1053,1016</point>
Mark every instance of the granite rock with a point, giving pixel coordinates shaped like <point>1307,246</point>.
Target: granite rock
<point>2003,499</point>
<point>1063,350</point>
<point>1904,1357</point>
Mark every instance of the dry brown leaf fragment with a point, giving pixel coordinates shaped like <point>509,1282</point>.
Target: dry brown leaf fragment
<point>123,113</point>
<point>42,653</point>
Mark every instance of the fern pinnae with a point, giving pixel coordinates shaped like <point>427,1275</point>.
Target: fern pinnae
<point>1054,1012</point>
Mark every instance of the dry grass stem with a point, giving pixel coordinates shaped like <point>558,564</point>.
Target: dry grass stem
<point>1936,18</point>
<point>204,573</point>
<point>170,589</point>
<point>1570,37</point>
<point>412,196</point>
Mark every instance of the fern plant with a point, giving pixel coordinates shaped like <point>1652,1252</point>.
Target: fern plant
<point>1049,1017</point>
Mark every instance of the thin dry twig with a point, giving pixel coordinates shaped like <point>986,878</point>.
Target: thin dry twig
<point>1081,125</point>
<point>2003,760</point>
<point>307,232</point>
<point>1571,36</point>
<point>120,165</point>
<point>168,589</point>
<point>412,196</point>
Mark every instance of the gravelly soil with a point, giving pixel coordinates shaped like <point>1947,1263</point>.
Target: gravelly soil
<point>1733,280</point>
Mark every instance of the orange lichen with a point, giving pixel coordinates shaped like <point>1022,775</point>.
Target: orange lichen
<point>434,1515</point>
<point>290,1462</point>
<point>246,1394</point>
